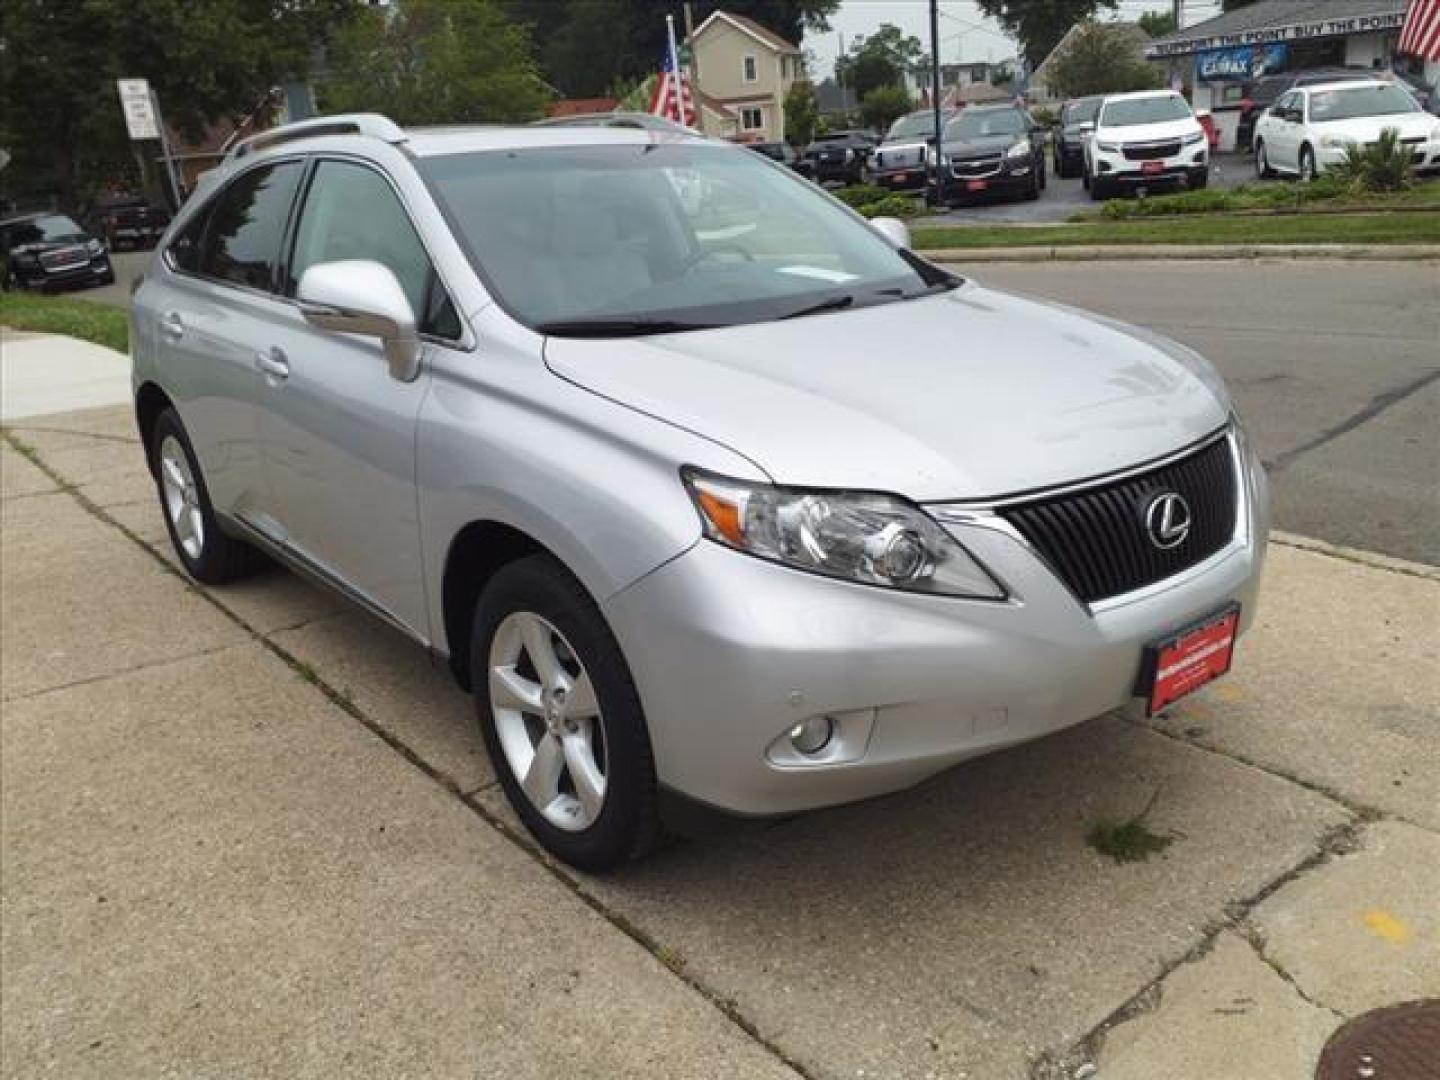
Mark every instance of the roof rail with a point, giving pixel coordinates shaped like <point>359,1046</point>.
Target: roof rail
<point>372,124</point>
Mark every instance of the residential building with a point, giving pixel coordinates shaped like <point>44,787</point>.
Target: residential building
<point>747,70</point>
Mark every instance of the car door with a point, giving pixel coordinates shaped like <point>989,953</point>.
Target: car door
<point>1284,142</point>
<point>217,300</point>
<point>338,429</point>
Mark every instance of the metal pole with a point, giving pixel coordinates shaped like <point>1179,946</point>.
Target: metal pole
<point>165,151</point>
<point>1178,8</point>
<point>694,70</point>
<point>935,101</point>
<point>840,78</point>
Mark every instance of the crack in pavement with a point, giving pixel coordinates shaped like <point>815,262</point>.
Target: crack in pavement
<point>342,701</point>
<point>1256,941</point>
<point>1377,405</point>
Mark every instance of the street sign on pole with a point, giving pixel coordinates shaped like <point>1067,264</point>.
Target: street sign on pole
<point>136,104</point>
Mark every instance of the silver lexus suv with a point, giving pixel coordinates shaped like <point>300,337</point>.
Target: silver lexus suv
<point>713,494</point>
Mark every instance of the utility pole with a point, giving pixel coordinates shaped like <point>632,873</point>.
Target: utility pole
<point>694,69</point>
<point>840,75</point>
<point>935,101</point>
<point>1178,9</point>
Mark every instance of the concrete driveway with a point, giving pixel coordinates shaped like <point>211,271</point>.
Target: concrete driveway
<point>248,832</point>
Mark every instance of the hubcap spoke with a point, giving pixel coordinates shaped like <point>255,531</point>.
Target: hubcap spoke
<point>580,703</point>
<point>508,690</point>
<point>540,645</point>
<point>584,773</point>
<point>542,779</point>
<point>173,473</point>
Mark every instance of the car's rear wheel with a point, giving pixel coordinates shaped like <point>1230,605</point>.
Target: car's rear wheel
<point>1262,161</point>
<point>208,555</point>
<point>1099,189</point>
<point>1307,165</point>
<point>561,717</point>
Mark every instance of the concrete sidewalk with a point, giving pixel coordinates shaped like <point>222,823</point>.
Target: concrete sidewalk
<point>41,374</point>
<point>251,832</point>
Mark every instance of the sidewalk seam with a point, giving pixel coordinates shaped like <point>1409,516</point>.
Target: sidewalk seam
<point>341,700</point>
<point>1373,559</point>
<point>1252,937</point>
<point>150,665</point>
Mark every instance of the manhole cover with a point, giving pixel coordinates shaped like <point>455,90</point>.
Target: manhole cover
<point>1399,1042</point>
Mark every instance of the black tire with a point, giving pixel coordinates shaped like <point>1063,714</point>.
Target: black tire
<point>1033,191</point>
<point>1262,161</point>
<point>627,826</point>
<point>1199,178</point>
<point>1085,177</point>
<point>1308,171</point>
<point>1099,189</point>
<point>1042,174</point>
<point>220,558</point>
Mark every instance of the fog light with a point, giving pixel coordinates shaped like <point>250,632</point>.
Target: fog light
<point>812,735</point>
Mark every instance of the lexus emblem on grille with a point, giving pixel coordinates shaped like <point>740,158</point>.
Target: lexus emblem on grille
<point>1167,520</point>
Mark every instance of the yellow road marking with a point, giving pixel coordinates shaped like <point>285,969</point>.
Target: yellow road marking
<point>1387,926</point>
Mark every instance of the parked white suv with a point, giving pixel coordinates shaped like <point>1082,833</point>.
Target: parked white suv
<point>1309,129</point>
<point>1142,139</point>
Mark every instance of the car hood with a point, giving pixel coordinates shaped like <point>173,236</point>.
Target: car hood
<point>1166,129</point>
<point>968,394</point>
<point>981,144</point>
<point>1368,128</point>
<point>39,247</point>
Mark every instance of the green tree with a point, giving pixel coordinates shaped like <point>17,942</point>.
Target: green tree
<point>882,59</point>
<point>205,59</point>
<point>1101,59</point>
<point>884,105</point>
<point>802,114</point>
<point>1040,24</point>
<point>435,62</point>
<point>1157,24</point>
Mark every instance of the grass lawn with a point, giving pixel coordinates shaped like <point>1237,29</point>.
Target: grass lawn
<point>1325,194</point>
<point>1415,228</point>
<point>65,315</point>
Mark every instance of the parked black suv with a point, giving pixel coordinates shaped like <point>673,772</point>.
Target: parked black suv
<point>1263,92</point>
<point>1070,134</point>
<point>782,152</point>
<point>838,155</point>
<point>46,250</point>
<point>993,149</point>
<point>126,221</point>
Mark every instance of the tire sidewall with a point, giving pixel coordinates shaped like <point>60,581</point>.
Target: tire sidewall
<point>540,585</point>
<point>202,568</point>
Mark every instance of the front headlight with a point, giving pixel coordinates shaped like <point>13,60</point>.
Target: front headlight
<point>857,536</point>
<point>1019,150</point>
<point>1336,142</point>
<point>1107,147</point>
<point>1193,138</point>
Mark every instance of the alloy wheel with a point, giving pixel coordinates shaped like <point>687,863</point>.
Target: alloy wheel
<point>548,720</point>
<point>182,497</point>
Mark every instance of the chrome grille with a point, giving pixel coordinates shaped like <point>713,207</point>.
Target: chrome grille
<point>1152,151</point>
<point>969,168</point>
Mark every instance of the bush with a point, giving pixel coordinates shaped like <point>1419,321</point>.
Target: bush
<point>857,195</point>
<point>890,206</point>
<point>1049,117</point>
<point>1384,165</point>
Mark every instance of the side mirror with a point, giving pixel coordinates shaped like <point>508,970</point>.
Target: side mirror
<point>1087,127</point>
<point>358,296</point>
<point>895,231</point>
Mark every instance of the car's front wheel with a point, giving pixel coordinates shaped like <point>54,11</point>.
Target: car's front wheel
<point>1262,161</point>
<point>208,555</point>
<point>561,717</point>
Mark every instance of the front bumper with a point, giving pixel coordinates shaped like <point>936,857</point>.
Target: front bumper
<point>92,272</point>
<point>904,178</point>
<point>729,651</point>
<point>1008,178</point>
<point>1115,167</point>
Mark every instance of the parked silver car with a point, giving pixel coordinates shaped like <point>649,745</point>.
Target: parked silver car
<point>713,494</point>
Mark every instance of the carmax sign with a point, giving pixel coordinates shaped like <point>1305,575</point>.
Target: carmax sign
<point>1265,35</point>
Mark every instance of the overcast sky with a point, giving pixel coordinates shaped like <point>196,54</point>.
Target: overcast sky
<point>964,33</point>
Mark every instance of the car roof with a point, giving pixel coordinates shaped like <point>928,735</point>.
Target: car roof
<point>1138,95</point>
<point>1338,84</point>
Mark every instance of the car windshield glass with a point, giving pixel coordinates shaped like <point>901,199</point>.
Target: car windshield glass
<point>1267,90</point>
<point>43,230</point>
<point>912,126</point>
<point>659,236</point>
<point>1351,102</point>
<point>1081,112</point>
<point>974,125</point>
<point>1151,110</point>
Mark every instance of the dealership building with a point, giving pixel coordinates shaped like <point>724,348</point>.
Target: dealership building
<point>1214,60</point>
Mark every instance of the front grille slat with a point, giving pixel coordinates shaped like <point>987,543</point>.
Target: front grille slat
<point>1096,538</point>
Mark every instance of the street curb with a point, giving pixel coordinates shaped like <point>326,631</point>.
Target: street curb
<point>1356,555</point>
<point>1131,252</point>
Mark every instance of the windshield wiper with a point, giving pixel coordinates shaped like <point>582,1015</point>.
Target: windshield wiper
<point>618,327</point>
<point>834,303</point>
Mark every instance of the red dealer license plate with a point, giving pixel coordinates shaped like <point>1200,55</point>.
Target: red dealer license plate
<point>975,185</point>
<point>1182,664</point>
<point>1152,167</point>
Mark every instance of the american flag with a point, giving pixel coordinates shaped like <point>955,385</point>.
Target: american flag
<point>1421,35</point>
<point>672,98</point>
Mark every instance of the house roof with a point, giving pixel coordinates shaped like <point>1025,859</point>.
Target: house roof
<point>1130,30</point>
<point>1273,15</point>
<point>764,35</point>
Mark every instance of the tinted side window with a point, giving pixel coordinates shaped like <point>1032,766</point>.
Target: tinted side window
<point>185,248</point>
<point>247,224</point>
<point>351,212</point>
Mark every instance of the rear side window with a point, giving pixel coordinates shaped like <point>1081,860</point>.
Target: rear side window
<point>244,229</point>
<point>351,212</point>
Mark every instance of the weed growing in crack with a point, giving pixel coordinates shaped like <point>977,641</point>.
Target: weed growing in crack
<point>1131,840</point>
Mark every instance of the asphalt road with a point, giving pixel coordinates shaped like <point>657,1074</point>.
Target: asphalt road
<point>1335,367</point>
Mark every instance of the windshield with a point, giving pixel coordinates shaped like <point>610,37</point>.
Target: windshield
<point>1150,110</point>
<point>913,126</point>
<point>42,230</point>
<point>1080,112</point>
<point>977,125</point>
<point>660,236</point>
<point>1356,101</point>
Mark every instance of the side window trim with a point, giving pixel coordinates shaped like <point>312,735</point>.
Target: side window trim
<point>206,211</point>
<point>436,278</point>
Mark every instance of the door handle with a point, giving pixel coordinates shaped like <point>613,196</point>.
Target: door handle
<point>273,364</point>
<point>171,325</point>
